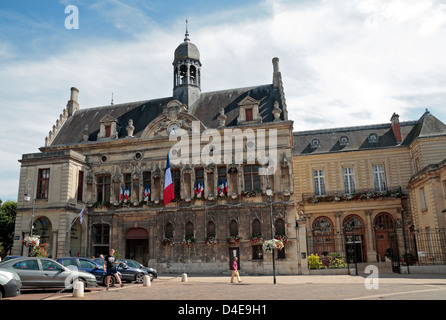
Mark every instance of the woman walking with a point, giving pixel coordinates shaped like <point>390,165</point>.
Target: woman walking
<point>235,271</point>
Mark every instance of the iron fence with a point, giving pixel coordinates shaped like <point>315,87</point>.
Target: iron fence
<point>425,247</point>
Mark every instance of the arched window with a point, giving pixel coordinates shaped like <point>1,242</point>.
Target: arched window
<point>256,227</point>
<point>189,230</point>
<point>384,221</point>
<point>280,227</point>
<point>233,228</point>
<point>211,229</point>
<point>168,230</point>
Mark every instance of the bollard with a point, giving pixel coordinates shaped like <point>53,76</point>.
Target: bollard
<point>78,289</point>
<point>147,282</point>
<point>184,277</point>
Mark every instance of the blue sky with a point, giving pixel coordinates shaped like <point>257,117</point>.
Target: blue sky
<point>343,62</point>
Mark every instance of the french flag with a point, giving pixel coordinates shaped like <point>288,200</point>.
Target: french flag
<point>169,194</point>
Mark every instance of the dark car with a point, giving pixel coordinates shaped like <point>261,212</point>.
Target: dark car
<point>135,264</point>
<point>10,283</point>
<point>46,273</point>
<point>128,274</point>
<point>90,266</point>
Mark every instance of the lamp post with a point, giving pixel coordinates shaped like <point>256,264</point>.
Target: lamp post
<point>28,184</point>
<point>269,193</point>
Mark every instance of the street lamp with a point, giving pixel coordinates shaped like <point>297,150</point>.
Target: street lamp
<point>269,193</point>
<point>28,184</point>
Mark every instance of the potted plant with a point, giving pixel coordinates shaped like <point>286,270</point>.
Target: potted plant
<point>256,239</point>
<point>167,242</point>
<point>210,240</point>
<point>233,240</point>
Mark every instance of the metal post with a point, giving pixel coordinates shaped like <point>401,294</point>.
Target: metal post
<point>28,184</point>
<point>269,193</point>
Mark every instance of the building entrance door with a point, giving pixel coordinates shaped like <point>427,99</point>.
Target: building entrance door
<point>137,245</point>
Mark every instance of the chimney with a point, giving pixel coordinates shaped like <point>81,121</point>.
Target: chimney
<point>73,105</point>
<point>276,73</point>
<point>396,127</point>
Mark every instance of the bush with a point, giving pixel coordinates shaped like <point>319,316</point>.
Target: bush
<point>331,261</point>
<point>314,261</point>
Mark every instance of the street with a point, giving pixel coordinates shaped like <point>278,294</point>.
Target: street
<point>339,287</point>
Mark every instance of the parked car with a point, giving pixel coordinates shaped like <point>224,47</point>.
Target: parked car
<point>90,266</point>
<point>9,258</point>
<point>46,273</point>
<point>128,274</point>
<point>135,264</point>
<point>10,283</point>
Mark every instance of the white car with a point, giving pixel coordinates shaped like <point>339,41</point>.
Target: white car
<point>10,283</point>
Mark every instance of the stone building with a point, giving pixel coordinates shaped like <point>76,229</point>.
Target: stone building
<point>358,188</point>
<point>108,158</point>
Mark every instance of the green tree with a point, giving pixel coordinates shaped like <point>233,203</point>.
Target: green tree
<point>7,223</point>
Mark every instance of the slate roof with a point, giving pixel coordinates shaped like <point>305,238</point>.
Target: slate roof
<point>206,108</point>
<point>358,137</point>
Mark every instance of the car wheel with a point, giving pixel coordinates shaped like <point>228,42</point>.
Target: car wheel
<point>151,277</point>
<point>112,281</point>
<point>139,278</point>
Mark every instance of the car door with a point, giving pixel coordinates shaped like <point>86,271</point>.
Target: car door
<point>29,272</point>
<point>53,274</point>
<point>88,266</point>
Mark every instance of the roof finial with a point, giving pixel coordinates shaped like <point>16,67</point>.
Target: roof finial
<point>112,99</point>
<point>186,35</point>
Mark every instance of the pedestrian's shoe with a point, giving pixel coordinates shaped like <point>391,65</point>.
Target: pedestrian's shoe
<point>122,285</point>
<point>106,289</point>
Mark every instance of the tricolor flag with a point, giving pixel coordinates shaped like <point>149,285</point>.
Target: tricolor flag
<point>121,196</point>
<point>169,194</point>
<point>126,194</point>
<point>195,189</point>
<point>147,193</point>
<point>226,186</point>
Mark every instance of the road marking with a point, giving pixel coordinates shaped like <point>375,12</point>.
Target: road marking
<point>394,294</point>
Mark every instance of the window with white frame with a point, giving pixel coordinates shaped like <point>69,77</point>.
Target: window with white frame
<point>379,178</point>
<point>319,182</point>
<point>348,176</point>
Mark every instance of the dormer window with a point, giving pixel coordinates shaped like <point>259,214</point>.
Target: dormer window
<point>373,138</point>
<point>344,141</point>
<point>315,143</point>
<point>249,111</point>
<point>107,128</point>
<point>107,131</point>
<point>248,114</point>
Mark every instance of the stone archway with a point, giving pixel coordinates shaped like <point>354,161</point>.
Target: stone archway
<point>43,228</point>
<point>137,245</point>
<point>385,236</point>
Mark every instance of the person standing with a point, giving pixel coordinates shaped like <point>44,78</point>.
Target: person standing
<point>110,267</point>
<point>235,271</point>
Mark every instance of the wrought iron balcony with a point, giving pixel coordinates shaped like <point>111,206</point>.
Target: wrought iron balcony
<point>361,194</point>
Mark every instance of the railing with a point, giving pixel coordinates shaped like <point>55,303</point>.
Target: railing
<point>360,194</point>
<point>425,247</point>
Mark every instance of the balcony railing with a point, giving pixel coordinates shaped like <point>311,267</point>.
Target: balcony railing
<point>362,194</point>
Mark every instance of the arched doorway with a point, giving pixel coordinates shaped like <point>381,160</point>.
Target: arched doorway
<point>42,227</point>
<point>354,239</point>
<point>323,236</point>
<point>385,238</point>
<point>137,245</point>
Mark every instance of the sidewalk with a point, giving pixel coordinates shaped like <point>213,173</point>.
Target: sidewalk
<point>391,286</point>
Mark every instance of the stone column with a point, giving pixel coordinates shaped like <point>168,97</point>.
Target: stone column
<point>371,249</point>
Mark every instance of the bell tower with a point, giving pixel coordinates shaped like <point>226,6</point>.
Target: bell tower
<point>187,72</point>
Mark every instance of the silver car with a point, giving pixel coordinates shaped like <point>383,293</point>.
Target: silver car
<point>10,283</point>
<point>46,273</point>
